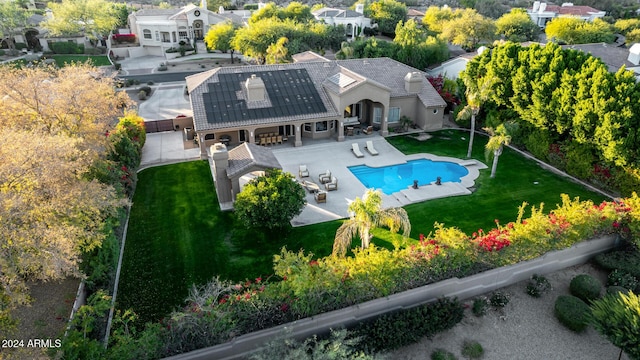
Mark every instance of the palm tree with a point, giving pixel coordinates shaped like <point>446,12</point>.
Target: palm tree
<point>499,138</point>
<point>367,213</point>
<point>477,93</point>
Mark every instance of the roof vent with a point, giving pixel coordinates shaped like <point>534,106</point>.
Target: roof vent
<point>255,88</point>
<point>413,82</point>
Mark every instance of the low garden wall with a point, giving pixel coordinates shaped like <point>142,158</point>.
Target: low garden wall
<point>461,288</point>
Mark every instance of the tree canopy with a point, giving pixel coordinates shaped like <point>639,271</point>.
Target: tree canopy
<point>91,18</point>
<point>573,30</point>
<point>468,29</point>
<point>219,37</point>
<point>517,26</point>
<point>270,201</point>
<point>386,13</point>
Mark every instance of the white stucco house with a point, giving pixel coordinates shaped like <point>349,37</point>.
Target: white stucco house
<point>541,12</point>
<point>160,29</point>
<point>353,21</point>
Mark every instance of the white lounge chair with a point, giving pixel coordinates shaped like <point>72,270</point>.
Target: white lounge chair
<point>311,186</point>
<point>356,150</point>
<point>370,148</point>
<point>324,177</point>
<point>303,171</point>
<point>332,185</point>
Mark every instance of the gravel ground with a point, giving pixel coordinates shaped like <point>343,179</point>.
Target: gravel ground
<point>526,329</point>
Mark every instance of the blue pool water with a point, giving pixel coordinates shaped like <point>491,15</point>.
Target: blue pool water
<point>394,178</point>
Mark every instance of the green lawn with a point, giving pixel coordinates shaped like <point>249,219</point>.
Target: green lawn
<point>178,236</point>
<point>62,60</point>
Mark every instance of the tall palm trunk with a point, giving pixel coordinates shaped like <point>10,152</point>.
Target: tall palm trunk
<point>472,133</point>
<point>494,165</point>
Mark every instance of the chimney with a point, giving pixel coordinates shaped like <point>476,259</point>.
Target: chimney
<point>536,6</point>
<point>360,8</point>
<point>255,89</point>
<point>220,158</point>
<point>413,82</point>
<point>543,7</point>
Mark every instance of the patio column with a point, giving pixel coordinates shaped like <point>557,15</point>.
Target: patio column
<point>203,148</point>
<point>341,129</point>
<point>298,136</point>
<point>384,126</point>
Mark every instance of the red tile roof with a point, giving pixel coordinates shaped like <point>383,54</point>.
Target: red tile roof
<point>572,10</point>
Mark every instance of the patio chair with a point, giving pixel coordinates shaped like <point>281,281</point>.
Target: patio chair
<point>263,141</point>
<point>350,131</point>
<point>311,186</point>
<point>370,148</point>
<point>368,130</point>
<point>332,185</point>
<point>324,177</point>
<point>303,171</point>
<point>320,196</point>
<point>356,150</point>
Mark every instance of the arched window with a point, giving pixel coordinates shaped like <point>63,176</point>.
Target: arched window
<point>146,33</point>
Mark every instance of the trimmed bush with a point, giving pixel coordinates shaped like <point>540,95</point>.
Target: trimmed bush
<point>537,285</point>
<point>499,299</point>
<point>623,279</point>
<point>585,287</point>
<point>572,312</point>
<point>440,354</point>
<point>65,47</point>
<point>480,306</point>
<point>394,330</point>
<point>627,261</point>
<point>146,89</point>
<point>472,350</point>
<point>1,52</point>
<point>612,290</point>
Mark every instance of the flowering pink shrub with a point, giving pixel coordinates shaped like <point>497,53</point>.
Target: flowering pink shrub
<point>120,38</point>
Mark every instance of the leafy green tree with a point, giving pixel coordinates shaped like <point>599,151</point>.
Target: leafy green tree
<point>435,17</point>
<point>13,18</point>
<point>497,140</point>
<point>219,37</point>
<point>270,201</point>
<point>295,11</point>
<point>573,30</point>
<point>617,317</point>
<point>386,13</point>
<point>366,214</point>
<point>491,8</point>
<point>409,34</point>
<point>517,26</point>
<point>277,53</point>
<point>469,29</point>
<point>91,18</point>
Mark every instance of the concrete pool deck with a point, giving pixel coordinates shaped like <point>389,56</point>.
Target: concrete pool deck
<point>319,156</point>
<point>337,156</point>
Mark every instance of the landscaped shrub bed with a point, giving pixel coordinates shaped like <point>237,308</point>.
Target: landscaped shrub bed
<point>394,330</point>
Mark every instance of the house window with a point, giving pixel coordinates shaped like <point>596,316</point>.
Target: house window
<point>394,114</point>
<point>182,35</point>
<point>377,115</point>
<point>146,33</point>
<point>321,126</point>
<point>210,136</point>
<point>157,36</point>
<point>165,37</point>
<point>307,127</point>
<point>174,36</point>
<point>435,111</point>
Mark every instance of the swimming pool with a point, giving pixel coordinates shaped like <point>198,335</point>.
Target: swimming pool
<point>394,178</point>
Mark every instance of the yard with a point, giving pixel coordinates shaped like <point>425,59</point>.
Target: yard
<point>177,235</point>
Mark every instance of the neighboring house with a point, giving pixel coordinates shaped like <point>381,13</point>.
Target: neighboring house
<point>613,56</point>
<point>416,15</point>
<point>452,68</point>
<point>309,100</point>
<point>353,21</point>
<point>160,29</point>
<point>541,12</point>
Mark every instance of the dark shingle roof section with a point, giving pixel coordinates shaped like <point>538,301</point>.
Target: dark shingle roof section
<point>246,156</point>
<point>291,92</point>
<point>218,99</point>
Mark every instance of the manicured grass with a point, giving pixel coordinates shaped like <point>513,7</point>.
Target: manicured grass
<point>62,60</point>
<point>497,198</point>
<point>178,236</point>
